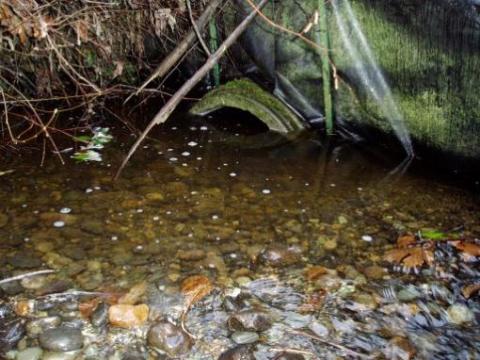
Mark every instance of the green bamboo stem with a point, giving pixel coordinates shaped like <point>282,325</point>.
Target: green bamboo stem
<point>324,43</point>
<point>213,34</point>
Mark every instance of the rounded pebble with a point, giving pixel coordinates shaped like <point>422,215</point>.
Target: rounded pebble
<point>245,337</point>
<point>61,339</point>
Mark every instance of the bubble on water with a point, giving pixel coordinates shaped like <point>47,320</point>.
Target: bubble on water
<point>96,187</point>
<point>225,164</point>
<point>36,212</point>
<point>214,217</point>
<point>174,128</point>
<point>266,191</point>
<point>199,158</point>
<point>114,238</point>
<point>203,128</point>
<point>232,174</point>
<point>186,153</point>
<point>88,190</point>
<point>193,128</point>
<point>192,144</point>
<point>65,210</point>
<point>307,184</point>
<point>367,238</point>
<point>169,149</point>
<point>26,239</point>
<point>184,164</point>
<point>139,211</point>
<point>156,218</point>
<point>59,224</point>
<point>332,185</point>
<point>168,212</point>
<point>24,206</point>
<point>360,189</point>
<point>173,159</point>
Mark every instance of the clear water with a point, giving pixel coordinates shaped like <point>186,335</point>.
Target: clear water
<point>241,209</point>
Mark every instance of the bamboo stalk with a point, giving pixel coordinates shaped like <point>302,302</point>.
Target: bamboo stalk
<point>172,104</point>
<point>324,44</point>
<point>213,34</point>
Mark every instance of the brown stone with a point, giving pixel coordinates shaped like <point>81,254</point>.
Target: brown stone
<point>128,316</point>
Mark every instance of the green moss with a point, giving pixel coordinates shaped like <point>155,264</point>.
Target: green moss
<point>429,55</point>
<point>245,95</point>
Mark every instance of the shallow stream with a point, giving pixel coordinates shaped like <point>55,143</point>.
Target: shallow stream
<point>289,252</point>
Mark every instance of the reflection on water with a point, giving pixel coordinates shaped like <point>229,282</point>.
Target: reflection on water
<point>287,246</point>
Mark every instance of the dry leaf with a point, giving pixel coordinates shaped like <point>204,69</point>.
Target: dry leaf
<point>466,247</point>
<point>406,241</point>
<point>86,308</point>
<point>412,257</point>
<point>119,66</point>
<point>315,272</point>
<point>470,290</point>
<point>196,287</point>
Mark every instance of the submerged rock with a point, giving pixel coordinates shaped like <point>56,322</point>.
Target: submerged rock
<point>169,338</point>
<point>11,331</point>
<point>459,314</point>
<point>128,316</point>
<point>280,255</point>
<point>242,352</point>
<point>61,339</point>
<point>245,337</point>
<point>249,320</point>
<point>33,353</point>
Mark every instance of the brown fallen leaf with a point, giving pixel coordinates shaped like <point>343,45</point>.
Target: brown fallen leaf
<point>467,247</point>
<point>314,272</point>
<point>86,308</point>
<point>470,290</point>
<point>196,287</point>
<point>412,257</point>
<point>405,241</point>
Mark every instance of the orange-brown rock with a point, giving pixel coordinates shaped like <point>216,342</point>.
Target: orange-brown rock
<point>128,316</point>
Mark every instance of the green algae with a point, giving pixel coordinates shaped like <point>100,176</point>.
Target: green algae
<point>245,95</point>
<point>428,52</point>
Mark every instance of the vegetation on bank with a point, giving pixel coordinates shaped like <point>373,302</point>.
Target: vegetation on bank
<point>60,60</point>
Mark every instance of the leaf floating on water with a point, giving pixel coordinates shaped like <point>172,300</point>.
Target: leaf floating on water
<point>196,287</point>
<point>406,240</point>
<point>470,290</point>
<point>410,254</point>
<point>315,272</point>
<point>467,247</point>
<point>433,234</point>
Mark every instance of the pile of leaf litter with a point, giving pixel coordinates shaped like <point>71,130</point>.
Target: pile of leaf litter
<point>60,60</point>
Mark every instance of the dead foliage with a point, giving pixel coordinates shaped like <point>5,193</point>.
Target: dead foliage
<point>62,59</point>
<point>411,254</point>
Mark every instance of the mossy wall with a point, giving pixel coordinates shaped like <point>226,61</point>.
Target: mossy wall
<point>428,50</point>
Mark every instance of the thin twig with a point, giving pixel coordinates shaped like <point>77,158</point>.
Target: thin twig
<point>330,343</point>
<point>180,50</point>
<point>26,275</point>
<point>7,122</point>
<point>196,29</point>
<point>172,104</point>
